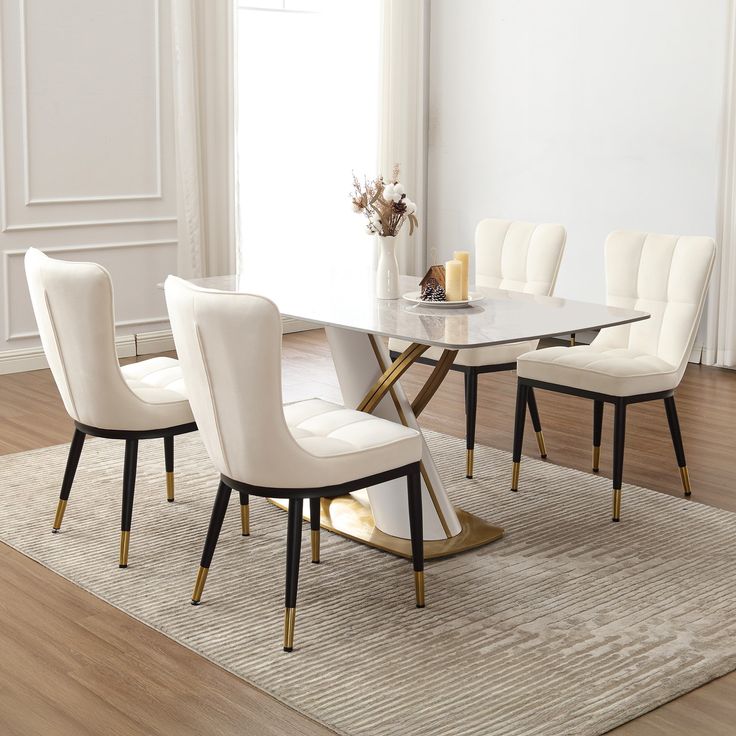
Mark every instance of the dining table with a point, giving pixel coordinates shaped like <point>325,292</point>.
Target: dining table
<point>357,325</point>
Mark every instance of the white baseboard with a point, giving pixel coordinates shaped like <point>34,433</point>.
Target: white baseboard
<point>127,346</point>
<point>17,361</point>
<point>148,343</point>
<point>696,356</point>
<point>33,359</point>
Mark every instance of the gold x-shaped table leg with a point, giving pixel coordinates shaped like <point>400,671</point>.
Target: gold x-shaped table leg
<point>393,373</point>
<point>385,384</point>
<point>351,518</point>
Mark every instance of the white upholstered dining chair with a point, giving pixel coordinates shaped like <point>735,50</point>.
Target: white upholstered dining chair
<point>664,275</point>
<point>515,256</point>
<point>73,305</point>
<point>229,346</point>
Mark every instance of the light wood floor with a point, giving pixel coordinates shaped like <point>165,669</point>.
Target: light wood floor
<point>73,665</point>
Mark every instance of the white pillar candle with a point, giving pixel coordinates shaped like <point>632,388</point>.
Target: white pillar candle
<point>464,257</point>
<point>453,281</point>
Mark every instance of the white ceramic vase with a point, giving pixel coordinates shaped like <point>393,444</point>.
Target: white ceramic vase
<point>387,273</point>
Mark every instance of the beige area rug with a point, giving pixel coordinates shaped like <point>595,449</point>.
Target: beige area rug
<point>569,625</point>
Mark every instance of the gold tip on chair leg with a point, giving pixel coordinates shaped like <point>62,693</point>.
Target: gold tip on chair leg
<point>315,546</point>
<point>419,587</point>
<point>596,458</point>
<point>684,475</point>
<point>616,504</point>
<point>60,509</point>
<point>124,544</point>
<point>540,442</point>
<point>289,617</point>
<point>469,464</point>
<point>169,486</point>
<point>199,585</point>
<point>245,519</point>
<point>515,477</point>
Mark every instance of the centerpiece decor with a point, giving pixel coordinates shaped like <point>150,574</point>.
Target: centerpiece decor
<point>433,285</point>
<point>387,208</point>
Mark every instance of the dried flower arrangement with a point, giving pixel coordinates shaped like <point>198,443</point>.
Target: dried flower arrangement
<point>386,206</point>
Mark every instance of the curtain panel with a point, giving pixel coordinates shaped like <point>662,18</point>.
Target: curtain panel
<point>402,130</point>
<point>720,344</point>
<point>204,124</point>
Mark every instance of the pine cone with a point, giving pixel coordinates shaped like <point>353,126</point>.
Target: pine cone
<point>439,295</point>
<point>428,293</point>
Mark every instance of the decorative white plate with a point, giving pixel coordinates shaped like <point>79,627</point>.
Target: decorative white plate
<point>416,298</point>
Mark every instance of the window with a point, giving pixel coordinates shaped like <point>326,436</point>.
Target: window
<point>294,6</point>
<point>307,117</point>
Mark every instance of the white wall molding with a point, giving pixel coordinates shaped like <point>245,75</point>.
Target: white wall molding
<point>151,189</point>
<point>7,255</point>
<point>97,181</point>
<point>29,198</point>
<point>83,223</point>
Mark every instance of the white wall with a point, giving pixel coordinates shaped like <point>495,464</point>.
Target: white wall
<point>87,157</point>
<point>599,115</point>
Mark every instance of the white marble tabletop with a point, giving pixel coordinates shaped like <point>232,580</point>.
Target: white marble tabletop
<point>502,317</point>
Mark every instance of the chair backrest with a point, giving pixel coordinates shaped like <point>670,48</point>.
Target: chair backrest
<point>73,305</point>
<point>664,275</point>
<point>229,349</point>
<point>518,256</point>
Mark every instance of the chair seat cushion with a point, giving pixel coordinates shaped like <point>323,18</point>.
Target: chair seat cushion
<point>474,357</point>
<point>354,443</point>
<point>612,371</point>
<point>159,384</point>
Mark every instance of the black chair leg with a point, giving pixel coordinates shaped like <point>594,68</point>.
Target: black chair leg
<point>129,469</point>
<point>213,534</point>
<point>293,549</point>
<point>674,422</point>
<point>416,525</point>
<point>619,437</point>
<point>169,460</point>
<point>244,514</point>
<point>471,406</point>
<point>75,450</point>
<point>597,432</point>
<point>522,392</point>
<point>534,414</point>
<point>314,517</point>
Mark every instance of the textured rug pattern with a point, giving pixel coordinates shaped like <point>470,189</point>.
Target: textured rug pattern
<point>569,625</point>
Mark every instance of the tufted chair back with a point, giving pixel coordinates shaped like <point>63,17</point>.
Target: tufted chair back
<point>664,275</point>
<point>73,306</point>
<point>229,348</point>
<point>518,256</point>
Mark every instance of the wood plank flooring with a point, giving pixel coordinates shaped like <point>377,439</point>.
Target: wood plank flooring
<point>73,665</point>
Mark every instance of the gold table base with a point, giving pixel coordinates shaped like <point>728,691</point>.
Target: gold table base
<point>348,517</point>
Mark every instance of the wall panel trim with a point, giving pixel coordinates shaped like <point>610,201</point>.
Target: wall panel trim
<point>8,254</point>
<point>29,199</point>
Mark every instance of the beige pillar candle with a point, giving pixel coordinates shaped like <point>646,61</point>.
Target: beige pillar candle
<point>453,281</point>
<point>464,257</point>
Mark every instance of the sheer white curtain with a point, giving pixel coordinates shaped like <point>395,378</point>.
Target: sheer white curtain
<point>204,123</point>
<point>403,114</point>
<point>720,344</point>
<point>205,119</point>
<point>308,76</point>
